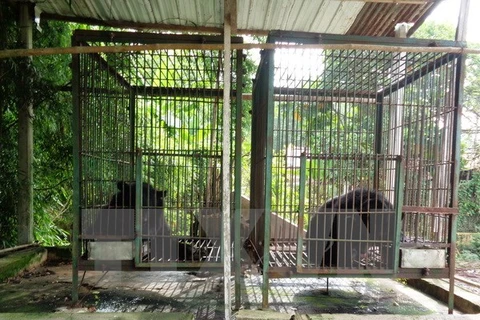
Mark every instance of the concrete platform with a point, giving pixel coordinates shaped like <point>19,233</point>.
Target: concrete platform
<point>269,315</point>
<point>464,301</point>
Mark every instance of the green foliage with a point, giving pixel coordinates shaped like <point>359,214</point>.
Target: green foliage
<point>51,127</point>
<point>8,130</point>
<point>469,204</point>
<point>470,252</point>
<point>435,31</point>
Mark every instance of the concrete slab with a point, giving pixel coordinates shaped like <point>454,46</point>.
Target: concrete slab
<point>96,316</point>
<point>464,301</point>
<point>344,295</point>
<point>45,294</point>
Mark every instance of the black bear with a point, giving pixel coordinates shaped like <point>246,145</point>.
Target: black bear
<point>348,218</point>
<point>151,198</point>
<point>155,233</point>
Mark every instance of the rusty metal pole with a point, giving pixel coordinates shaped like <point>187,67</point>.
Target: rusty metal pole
<point>226,188</point>
<point>460,35</point>
<point>25,135</point>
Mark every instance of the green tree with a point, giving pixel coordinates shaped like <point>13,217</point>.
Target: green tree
<point>52,131</point>
<point>435,31</point>
<point>8,130</point>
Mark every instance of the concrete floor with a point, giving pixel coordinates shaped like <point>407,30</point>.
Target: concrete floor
<point>178,295</point>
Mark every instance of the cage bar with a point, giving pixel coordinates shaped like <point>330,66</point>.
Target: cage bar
<point>149,131</point>
<point>358,159</point>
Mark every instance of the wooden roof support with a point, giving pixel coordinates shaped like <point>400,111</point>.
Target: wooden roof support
<point>235,46</point>
<point>232,13</point>
<point>461,34</point>
<point>226,184</point>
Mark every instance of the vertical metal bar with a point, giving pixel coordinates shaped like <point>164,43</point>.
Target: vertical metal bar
<point>226,188</point>
<point>399,183</point>
<point>25,137</point>
<point>457,129</point>
<point>268,175</point>
<point>301,209</point>
<point>238,177</point>
<point>378,140</point>
<point>138,208</point>
<point>132,131</point>
<point>76,171</point>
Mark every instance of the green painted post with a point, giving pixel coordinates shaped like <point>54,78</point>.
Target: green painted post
<point>238,179</point>
<point>76,171</point>
<point>301,208</point>
<point>268,176</point>
<point>399,189</point>
<point>457,130</point>
<point>131,116</point>
<point>138,208</point>
<point>378,140</point>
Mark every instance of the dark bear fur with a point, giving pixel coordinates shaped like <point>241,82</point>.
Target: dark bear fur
<point>126,197</point>
<point>324,253</point>
<point>153,221</point>
<point>166,247</point>
<point>163,248</point>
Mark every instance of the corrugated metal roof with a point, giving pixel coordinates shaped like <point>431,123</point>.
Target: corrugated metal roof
<point>379,19</point>
<point>351,17</point>
<point>321,16</point>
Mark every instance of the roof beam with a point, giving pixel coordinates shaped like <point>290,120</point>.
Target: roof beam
<point>461,49</point>
<point>152,26</point>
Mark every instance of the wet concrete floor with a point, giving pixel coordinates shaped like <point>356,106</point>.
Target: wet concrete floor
<point>48,289</point>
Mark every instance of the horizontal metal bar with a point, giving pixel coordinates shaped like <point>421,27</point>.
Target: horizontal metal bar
<point>287,272</point>
<point>136,37</point>
<point>128,265</point>
<point>307,92</point>
<point>204,93</point>
<point>276,272</point>
<point>183,153</point>
<point>174,265</point>
<point>105,237</point>
<point>320,38</point>
<point>319,98</point>
<point>423,245</point>
<point>351,157</point>
<point>438,210</point>
<point>420,273</point>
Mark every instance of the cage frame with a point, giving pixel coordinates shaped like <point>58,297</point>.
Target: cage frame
<point>82,38</point>
<point>262,187</point>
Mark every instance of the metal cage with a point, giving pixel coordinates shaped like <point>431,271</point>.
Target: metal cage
<point>354,159</point>
<point>148,128</point>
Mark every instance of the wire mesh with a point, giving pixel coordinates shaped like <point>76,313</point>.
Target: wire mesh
<point>163,108</point>
<point>352,120</point>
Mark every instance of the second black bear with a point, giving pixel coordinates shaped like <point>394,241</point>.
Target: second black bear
<point>345,218</point>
